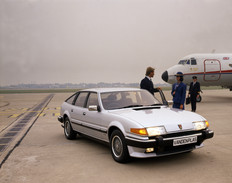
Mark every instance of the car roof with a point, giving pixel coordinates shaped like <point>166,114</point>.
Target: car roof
<point>105,90</point>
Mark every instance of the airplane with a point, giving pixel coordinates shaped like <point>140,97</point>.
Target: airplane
<point>211,70</point>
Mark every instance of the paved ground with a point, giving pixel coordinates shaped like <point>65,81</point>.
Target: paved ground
<point>44,155</point>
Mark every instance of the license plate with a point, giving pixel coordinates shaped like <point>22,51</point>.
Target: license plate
<point>185,140</point>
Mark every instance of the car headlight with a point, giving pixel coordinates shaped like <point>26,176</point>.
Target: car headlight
<point>200,125</point>
<point>151,131</point>
<point>155,131</point>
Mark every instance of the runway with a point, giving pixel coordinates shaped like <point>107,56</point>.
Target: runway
<point>45,155</point>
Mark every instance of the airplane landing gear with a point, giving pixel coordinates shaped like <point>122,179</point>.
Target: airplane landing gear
<point>199,98</point>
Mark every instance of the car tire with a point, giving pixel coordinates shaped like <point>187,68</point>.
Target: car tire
<point>118,147</point>
<point>68,131</point>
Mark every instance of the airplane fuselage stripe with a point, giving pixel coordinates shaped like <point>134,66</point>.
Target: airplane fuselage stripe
<point>213,72</point>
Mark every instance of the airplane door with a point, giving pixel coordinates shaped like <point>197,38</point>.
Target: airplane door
<point>212,70</point>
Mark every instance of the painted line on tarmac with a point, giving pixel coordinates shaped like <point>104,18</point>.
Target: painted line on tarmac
<point>8,112</point>
<point>41,114</point>
<point>15,115</point>
<point>56,114</point>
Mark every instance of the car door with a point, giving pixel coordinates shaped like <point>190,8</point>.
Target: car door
<point>93,119</point>
<point>78,110</point>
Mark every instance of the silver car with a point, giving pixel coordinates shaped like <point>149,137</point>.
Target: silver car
<point>133,122</point>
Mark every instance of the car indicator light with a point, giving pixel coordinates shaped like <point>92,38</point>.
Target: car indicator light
<point>139,131</point>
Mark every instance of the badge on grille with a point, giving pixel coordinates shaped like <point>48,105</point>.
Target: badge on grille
<point>180,126</point>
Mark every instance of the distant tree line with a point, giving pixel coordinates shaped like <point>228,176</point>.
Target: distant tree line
<point>71,85</point>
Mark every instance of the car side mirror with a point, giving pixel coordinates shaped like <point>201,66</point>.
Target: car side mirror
<point>94,108</point>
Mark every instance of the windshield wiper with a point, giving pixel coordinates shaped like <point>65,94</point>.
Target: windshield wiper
<point>129,106</point>
<point>155,104</point>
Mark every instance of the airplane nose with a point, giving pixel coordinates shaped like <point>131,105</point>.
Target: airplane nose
<point>165,76</point>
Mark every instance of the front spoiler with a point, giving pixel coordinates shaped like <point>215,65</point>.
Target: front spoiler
<point>164,145</point>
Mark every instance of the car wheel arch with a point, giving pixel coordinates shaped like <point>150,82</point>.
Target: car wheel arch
<point>65,116</point>
<point>115,126</point>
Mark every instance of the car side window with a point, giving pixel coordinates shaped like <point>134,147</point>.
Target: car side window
<point>81,99</point>
<point>70,100</point>
<point>92,100</point>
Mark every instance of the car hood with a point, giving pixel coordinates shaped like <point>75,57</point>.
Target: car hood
<point>161,116</point>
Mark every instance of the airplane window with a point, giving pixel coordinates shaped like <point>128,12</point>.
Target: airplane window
<point>182,62</point>
<point>193,62</point>
<point>188,62</point>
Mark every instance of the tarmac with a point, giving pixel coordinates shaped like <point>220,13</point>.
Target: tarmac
<point>33,147</point>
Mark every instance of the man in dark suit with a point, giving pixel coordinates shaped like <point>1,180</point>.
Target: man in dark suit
<point>147,83</point>
<point>194,92</point>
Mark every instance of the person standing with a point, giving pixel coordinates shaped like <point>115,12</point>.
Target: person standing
<point>179,92</point>
<point>194,93</point>
<point>147,83</point>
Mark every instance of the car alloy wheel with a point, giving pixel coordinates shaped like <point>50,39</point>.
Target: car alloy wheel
<point>67,128</point>
<point>68,131</point>
<point>118,147</point>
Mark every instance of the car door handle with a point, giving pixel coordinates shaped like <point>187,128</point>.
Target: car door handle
<point>84,113</point>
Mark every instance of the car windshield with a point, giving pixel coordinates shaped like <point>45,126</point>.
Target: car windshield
<point>182,62</point>
<point>127,99</point>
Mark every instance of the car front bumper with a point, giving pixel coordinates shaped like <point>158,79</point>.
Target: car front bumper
<point>163,145</point>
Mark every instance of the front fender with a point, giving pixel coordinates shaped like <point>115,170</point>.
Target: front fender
<point>125,130</point>
<point>115,125</point>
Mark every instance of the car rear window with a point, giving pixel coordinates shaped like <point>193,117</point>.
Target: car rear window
<point>71,99</point>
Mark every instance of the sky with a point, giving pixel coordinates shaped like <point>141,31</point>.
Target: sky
<point>92,41</point>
